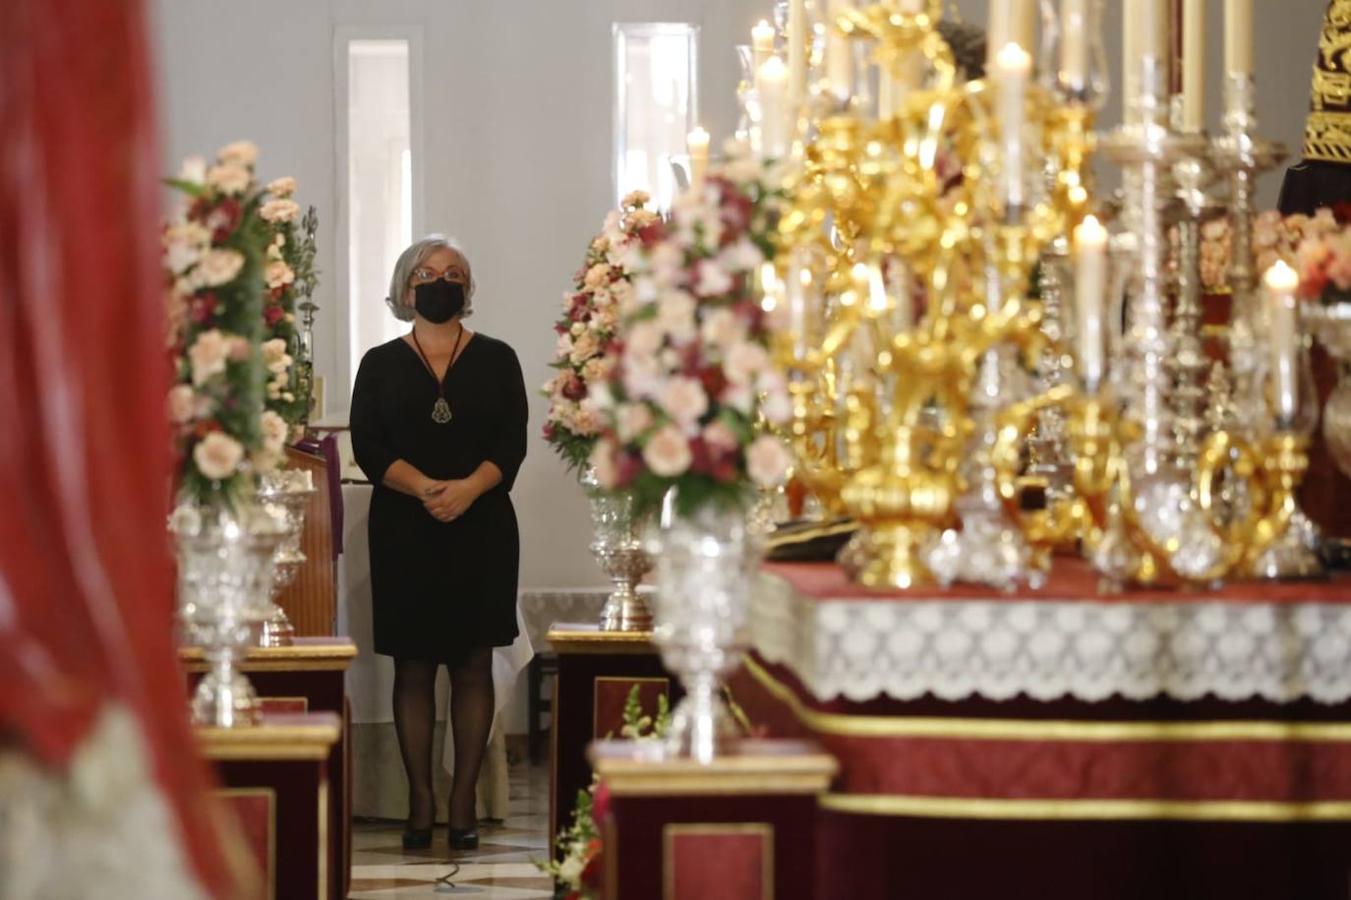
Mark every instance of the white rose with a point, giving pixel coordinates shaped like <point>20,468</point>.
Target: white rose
<point>182,404</point>
<point>587,421</point>
<point>667,453</point>
<point>635,198</point>
<point>208,354</point>
<point>282,187</point>
<point>275,357</point>
<point>775,403</point>
<point>744,362</point>
<point>597,369</point>
<point>740,397</point>
<point>668,263</point>
<point>570,871</point>
<point>229,179</point>
<point>193,170</point>
<point>274,430</point>
<point>742,256</point>
<point>684,400</point>
<point>243,152</point>
<point>280,211</point>
<point>722,328</point>
<point>180,255</point>
<point>217,456</point>
<point>218,267</point>
<point>632,420</point>
<point>767,461</point>
<point>675,316</point>
<point>597,276</point>
<point>278,274</point>
<point>642,342</point>
<point>563,348</point>
<point>714,280</point>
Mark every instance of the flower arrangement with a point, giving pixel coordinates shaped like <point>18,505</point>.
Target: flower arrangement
<point>214,251</point>
<point>577,866</point>
<point>692,374</point>
<point>288,275</point>
<point>585,352</point>
<point>1318,247</point>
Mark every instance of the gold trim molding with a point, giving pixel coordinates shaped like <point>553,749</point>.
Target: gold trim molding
<point>328,656</point>
<point>1086,810</point>
<point>846,725</point>
<point>801,773</point>
<point>271,743</point>
<point>566,641</point>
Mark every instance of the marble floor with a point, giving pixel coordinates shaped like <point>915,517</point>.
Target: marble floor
<point>503,867</point>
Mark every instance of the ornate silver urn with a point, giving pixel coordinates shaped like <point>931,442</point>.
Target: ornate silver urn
<point>291,491</point>
<point>618,547</point>
<point>225,571</point>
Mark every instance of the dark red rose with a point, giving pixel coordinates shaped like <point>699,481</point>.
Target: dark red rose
<point>561,327</point>
<point>203,309</point>
<point>713,380</point>
<point>600,804</point>
<point>575,389</point>
<point>629,465</point>
<point>272,314</point>
<point>591,873</point>
<point>1314,284</point>
<point>224,219</point>
<point>204,427</point>
<point>652,234</point>
<point>1342,212</point>
<point>548,431</point>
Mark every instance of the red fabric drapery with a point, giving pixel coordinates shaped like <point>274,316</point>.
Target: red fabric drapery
<point>86,581</point>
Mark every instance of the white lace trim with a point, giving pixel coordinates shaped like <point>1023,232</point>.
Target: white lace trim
<point>1048,650</point>
<point>100,829</point>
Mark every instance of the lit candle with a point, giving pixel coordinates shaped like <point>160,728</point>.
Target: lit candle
<point>696,143</point>
<point>1193,66</point>
<point>1238,37</point>
<point>771,85</point>
<point>762,42</point>
<point>1011,22</point>
<point>1281,283</point>
<point>797,52</point>
<point>839,52</point>
<point>1012,68</point>
<point>1090,285</point>
<point>1074,42</point>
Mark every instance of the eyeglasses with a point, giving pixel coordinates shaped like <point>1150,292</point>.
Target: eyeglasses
<point>427,276</point>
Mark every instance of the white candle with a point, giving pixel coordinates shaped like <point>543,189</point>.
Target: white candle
<point>771,84</point>
<point>696,142</point>
<point>1012,68</point>
<point>1193,66</point>
<point>1075,37</point>
<point>762,42</point>
<point>839,52</point>
<point>1281,283</point>
<point>1011,22</point>
<point>1090,286</point>
<point>1238,37</point>
<point>797,52</point>
<point>1130,53</point>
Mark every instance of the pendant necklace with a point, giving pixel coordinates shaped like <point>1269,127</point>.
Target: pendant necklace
<point>441,409</point>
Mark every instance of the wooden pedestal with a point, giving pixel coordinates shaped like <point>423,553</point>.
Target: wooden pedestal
<point>276,777</point>
<point>741,828</point>
<point>307,678</point>
<point>596,671</point>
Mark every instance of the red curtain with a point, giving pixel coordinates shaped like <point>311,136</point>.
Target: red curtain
<point>86,580</point>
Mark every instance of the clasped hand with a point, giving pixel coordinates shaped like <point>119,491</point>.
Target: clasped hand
<point>448,500</point>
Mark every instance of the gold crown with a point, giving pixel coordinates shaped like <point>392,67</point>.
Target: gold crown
<point>1327,135</point>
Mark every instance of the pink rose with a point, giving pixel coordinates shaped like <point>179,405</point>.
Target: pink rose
<point>208,355</point>
<point>744,362</point>
<point>721,328</point>
<point>632,420</point>
<point>767,461</point>
<point>675,315</point>
<point>684,401</point>
<point>667,453</point>
<point>217,456</point>
<point>719,437</point>
<point>182,404</point>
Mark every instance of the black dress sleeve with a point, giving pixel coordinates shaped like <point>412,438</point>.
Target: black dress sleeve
<point>507,451</point>
<point>369,440</point>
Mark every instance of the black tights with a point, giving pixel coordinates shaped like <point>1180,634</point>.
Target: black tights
<point>471,717</point>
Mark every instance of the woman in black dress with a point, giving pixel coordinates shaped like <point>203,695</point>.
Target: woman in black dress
<point>439,427</point>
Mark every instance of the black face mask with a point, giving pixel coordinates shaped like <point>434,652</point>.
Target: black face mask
<point>439,301</point>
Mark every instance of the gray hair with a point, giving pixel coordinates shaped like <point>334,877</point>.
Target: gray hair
<point>410,260</point>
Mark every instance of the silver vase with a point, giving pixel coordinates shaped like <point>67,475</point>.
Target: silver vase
<point>291,491</point>
<point>225,571</point>
<point>704,569</point>
<point>618,547</point>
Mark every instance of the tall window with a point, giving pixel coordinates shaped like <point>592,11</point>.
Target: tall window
<point>379,182</point>
<point>656,105</point>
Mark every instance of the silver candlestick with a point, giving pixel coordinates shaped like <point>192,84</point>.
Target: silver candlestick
<point>1188,365</point>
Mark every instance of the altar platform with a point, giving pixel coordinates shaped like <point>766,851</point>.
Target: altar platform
<point>1065,742</point>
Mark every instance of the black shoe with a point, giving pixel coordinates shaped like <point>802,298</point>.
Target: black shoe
<point>417,838</point>
<point>463,838</point>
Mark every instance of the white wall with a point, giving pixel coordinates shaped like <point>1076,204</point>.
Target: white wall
<point>516,159</point>
<point>517,131</point>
